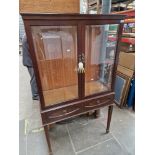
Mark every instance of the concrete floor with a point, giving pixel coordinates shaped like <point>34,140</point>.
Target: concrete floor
<point>80,136</point>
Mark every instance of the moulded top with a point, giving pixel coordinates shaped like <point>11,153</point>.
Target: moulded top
<point>75,16</point>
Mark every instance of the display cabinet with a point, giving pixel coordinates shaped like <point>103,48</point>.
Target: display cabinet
<point>75,62</point>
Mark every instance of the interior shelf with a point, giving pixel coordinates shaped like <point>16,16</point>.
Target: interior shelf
<point>68,93</point>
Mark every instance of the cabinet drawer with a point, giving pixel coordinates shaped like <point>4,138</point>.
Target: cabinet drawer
<point>98,102</point>
<point>55,115</point>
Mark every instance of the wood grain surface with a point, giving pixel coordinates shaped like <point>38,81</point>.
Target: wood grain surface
<point>49,6</point>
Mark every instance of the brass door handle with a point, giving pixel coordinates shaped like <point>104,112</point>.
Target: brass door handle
<point>80,68</point>
<point>80,64</point>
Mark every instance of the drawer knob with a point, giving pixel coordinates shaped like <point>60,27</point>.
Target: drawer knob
<point>64,111</point>
<point>98,101</point>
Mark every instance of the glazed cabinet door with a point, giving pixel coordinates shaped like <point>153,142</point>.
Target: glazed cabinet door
<point>56,54</point>
<point>100,50</point>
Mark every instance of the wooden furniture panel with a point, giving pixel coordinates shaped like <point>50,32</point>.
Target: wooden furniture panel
<point>61,113</point>
<point>98,102</point>
<point>49,6</point>
<point>76,108</point>
<point>66,64</point>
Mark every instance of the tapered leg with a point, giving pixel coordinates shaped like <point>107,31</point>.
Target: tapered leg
<point>110,109</point>
<point>48,139</point>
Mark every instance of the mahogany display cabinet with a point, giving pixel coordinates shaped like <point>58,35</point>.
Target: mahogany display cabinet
<point>75,58</point>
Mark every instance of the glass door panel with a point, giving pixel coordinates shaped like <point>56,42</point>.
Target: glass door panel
<point>56,53</point>
<point>100,47</point>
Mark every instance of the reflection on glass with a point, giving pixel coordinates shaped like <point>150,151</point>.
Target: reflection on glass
<point>100,47</point>
<point>56,52</point>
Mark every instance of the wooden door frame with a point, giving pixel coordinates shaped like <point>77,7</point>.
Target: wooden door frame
<point>28,24</point>
<point>114,70</point>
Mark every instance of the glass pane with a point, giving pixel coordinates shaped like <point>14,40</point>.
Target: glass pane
<point>56,52</point>
<point>100,47</point>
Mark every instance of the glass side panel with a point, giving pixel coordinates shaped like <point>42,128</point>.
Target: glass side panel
<point>56,53</point>
<point>100,47</point>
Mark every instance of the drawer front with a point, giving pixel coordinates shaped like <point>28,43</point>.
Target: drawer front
<point>55,115</point>
<point>99,102</point>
